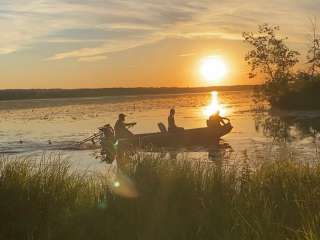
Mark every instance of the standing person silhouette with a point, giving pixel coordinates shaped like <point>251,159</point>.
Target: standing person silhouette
<point>172,127</point>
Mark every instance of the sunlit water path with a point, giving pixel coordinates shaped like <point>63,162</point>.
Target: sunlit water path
<point>55,125</point>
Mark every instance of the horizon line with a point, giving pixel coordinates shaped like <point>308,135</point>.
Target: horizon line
<point>139,87</point>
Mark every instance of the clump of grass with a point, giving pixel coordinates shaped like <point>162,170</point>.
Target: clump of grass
<point>278,200</point>
<point>154,198</point>
<point>38,196</point>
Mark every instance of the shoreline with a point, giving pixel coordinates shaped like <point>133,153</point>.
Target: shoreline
<point>37,94</point>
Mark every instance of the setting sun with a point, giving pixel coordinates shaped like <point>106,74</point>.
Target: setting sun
<point>213,68</point>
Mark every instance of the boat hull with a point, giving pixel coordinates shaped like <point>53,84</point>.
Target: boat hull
<point>189,137</point>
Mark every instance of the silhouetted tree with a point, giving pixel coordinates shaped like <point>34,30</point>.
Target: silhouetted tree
<point>271,57</point>
<point>313,56</point>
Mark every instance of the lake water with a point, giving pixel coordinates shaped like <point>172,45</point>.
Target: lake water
<point>26,127</point>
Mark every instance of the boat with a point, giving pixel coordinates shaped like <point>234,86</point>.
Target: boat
<point>188,137</point>
<point>110,146</point>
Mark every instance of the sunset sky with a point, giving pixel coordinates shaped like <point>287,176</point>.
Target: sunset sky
<point>119,43</point>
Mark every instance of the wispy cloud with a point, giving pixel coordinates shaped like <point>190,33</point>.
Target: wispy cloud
<point>187,54</point>
<point>92,59</point>
<point>108,47</point>
<point>112,25</point>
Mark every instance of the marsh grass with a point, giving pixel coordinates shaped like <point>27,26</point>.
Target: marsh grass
<point>155,198</point>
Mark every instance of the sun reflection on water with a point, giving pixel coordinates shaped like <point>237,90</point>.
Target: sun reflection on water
<point>214,106</point>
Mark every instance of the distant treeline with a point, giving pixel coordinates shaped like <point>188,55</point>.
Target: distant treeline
<point>19,94</point>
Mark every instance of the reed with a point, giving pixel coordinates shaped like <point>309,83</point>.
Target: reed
<point>157,198</point>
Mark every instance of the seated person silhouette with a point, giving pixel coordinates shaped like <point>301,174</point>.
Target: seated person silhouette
<point>172,127</point>
<point>121,127</point>
<point>216,121</point>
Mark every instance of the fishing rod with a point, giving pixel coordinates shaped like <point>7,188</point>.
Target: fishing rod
<point>91,138</point>
<point>94,136</point>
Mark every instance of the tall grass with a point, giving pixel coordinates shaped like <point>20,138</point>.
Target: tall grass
<point>154,198</point>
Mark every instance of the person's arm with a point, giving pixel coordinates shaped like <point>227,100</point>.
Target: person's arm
<point>174,122</point>
<point>224,118</point>
<point>171,122</point>
<point>130,124</point>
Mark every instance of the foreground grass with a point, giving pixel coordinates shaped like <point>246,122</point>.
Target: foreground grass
<point>154,198</point>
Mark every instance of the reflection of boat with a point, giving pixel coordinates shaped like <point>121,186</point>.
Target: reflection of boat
<point>189,137</point>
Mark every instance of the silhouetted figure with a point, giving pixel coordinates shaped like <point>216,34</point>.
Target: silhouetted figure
<point>216,121</point>
<point>107,141</point>
<point>121,127</point>
<point>172,127</point>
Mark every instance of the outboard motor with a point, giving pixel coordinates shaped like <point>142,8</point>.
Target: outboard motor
<point>108,143</point>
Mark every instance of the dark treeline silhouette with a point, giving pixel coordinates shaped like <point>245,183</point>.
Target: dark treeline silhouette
<point>19,94</point>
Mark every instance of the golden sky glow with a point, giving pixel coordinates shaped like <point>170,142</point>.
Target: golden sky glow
<point>112,43</point>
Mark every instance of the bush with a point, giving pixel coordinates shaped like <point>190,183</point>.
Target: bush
<point>303,93</point>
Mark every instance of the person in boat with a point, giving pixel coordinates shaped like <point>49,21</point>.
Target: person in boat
<point>215,120</point>
<point>172,127</point>
<point>121,127</point>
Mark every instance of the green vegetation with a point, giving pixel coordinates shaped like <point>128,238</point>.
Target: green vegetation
<point>285,86</point>
<point>154,198</point>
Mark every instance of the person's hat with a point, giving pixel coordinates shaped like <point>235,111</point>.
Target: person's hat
<point>121,115</point>
<point>104,127</point>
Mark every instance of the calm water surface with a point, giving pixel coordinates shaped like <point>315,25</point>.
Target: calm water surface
<point>27,126</point>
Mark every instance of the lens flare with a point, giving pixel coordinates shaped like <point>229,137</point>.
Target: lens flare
<point>123,186</point>
<point>116,184</point>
